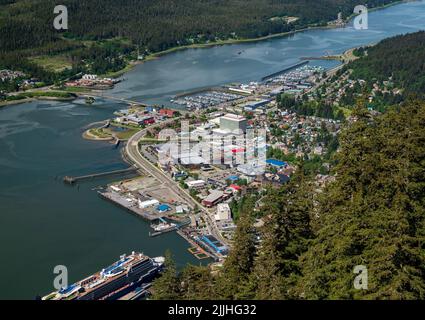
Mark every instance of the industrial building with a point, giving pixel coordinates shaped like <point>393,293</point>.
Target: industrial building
<point>147,203</point>
<point>213,198</point>
<point>252,105</point>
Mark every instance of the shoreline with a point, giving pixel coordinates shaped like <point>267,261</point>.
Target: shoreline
<point>156,55</point>
<point>153,56</point>
<point>25,100</point>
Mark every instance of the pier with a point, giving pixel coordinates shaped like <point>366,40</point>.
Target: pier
<point>330,57</point>
<point>174,228</point>
<point>300,64</point>
<point>71,180</point>
<point>131,207</point>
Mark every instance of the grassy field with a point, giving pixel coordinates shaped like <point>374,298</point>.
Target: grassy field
<point>55,63</point>
<point>125,135</point>
<point>100,133</point>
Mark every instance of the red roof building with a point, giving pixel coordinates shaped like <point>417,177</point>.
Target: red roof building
<point>167,112</point>
<point>235,187</point>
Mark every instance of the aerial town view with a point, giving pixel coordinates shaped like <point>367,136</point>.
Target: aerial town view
<point>270,150</point>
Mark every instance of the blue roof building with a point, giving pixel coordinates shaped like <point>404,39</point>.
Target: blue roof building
<point>233,178</point>
<point>276,163</point>
<point>163,208</point>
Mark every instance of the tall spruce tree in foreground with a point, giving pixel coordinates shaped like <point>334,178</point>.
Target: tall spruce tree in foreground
<point>167,286</point>
<point>285,237</point>
<point>197,283</point>
<point>373,214</point>
<point>238,265</point>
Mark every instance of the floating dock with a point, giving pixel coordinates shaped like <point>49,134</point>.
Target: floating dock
<point>173,228</point>
<point>300,64</point>
<point>196,249</point>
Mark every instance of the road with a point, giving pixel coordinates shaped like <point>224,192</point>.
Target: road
<point>134,155</point>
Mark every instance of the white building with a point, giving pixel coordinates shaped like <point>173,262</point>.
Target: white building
<point>147,203</point>
<point>232,122</point>
<point>223,212</point>
<point>89,77</point>
<point>195,184</point>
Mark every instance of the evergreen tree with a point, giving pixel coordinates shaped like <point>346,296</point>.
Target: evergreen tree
<point>284,238</point>
<point>197,283</point>
<point>167,286</point>
<point>373,215</point>
<point>239,263</point>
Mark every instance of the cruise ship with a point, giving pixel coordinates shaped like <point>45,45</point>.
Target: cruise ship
<point>113,282</point>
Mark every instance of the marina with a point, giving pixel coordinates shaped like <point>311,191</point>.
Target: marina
<point>275,74</point>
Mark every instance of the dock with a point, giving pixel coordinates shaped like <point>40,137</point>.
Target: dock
<point>297,65</point>
<point>158,233</point>
<point>176,227</point>
<point>197,91</point>
<point>196,249</point>
<point>71,180</point>
<point>122,202</point>
<point>336,57</point>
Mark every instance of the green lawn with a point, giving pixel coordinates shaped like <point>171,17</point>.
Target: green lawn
<point>55,63</point>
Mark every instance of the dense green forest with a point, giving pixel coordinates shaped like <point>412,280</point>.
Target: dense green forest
<point>393,69</point>
<point>397,61</point>
<point>26,26</point>
<point>401,57</point>
<point>160,24</point>
<point>372,215</point>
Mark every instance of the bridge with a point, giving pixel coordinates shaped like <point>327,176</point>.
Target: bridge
<point>118,99</point>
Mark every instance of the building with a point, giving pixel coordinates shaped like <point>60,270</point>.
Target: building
<point>235,188</point>
<point>89,77</point>
<point>233,122</point>
<point>147,203</point>
<point>251,169</point>
<point>223,212</point>
<point>163,208</point>
<point>196,184</point>
<point>213,198</point>
<point>233,178</point>
<point>167,113</point>
<point>276,163</point>
<point>136,120</point>
<point>214,245</point>
<point>188,159</point>
<point>252,105</point>
<point>148,120</point>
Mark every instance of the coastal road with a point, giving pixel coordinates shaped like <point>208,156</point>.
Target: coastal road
<point>135,156</point>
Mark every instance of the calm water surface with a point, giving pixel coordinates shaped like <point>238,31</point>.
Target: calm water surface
<point>44,223</point>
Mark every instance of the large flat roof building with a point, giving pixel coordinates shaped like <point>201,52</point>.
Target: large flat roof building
<point>223,212</point>
<point>232,122</point>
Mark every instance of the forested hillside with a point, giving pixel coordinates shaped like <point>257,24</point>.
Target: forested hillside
<point>402,58</point>
<point>372,215</point>
<point>388,72</point>
<point>158,25</point>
